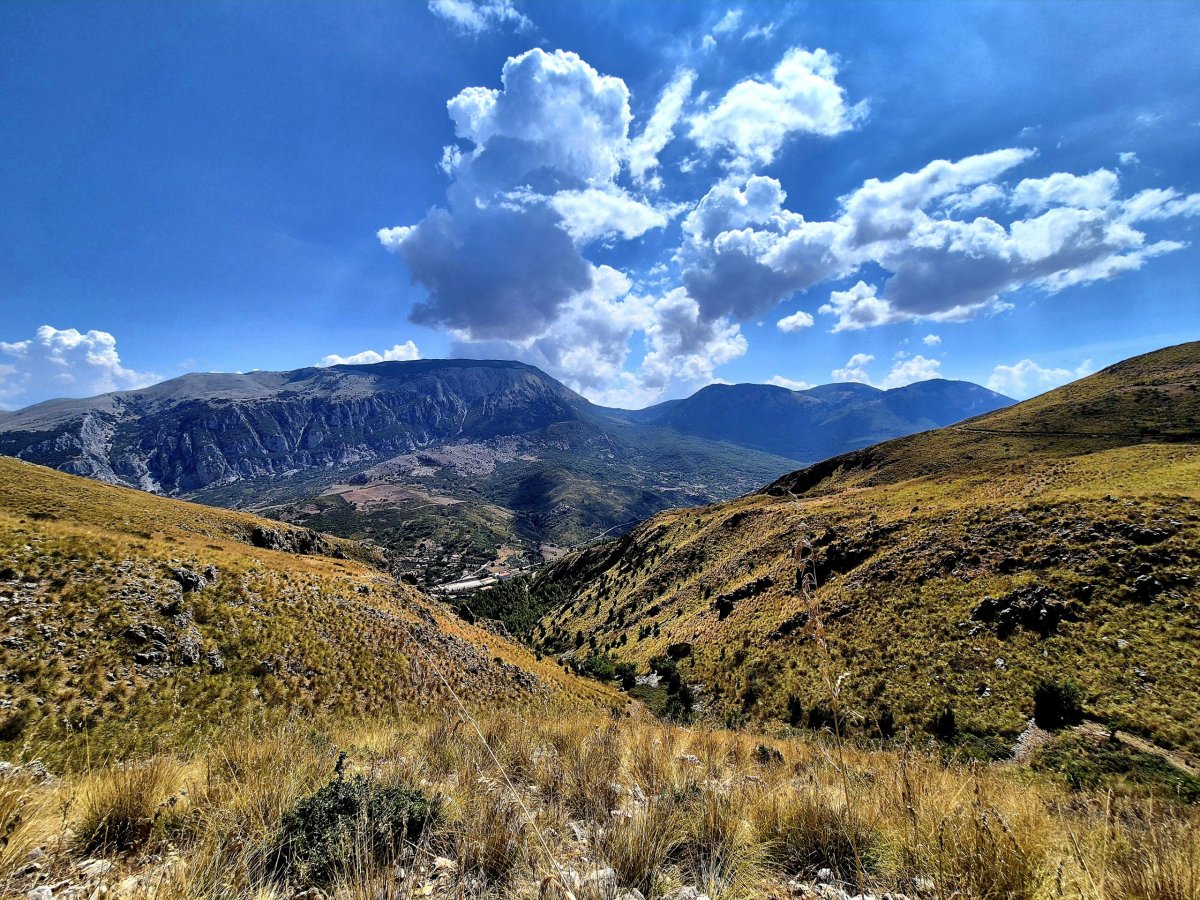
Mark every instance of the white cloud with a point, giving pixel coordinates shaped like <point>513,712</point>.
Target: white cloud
<point>64,363</point>
<point>398,353</point>
<point>910,370</point>
<point>744,252</point>
<point>537,177</point>
<point>858,308</point>
<point>595,213</point>
<point>1064,189</point>
<point>660,129</point>
<point>477,16</point>
<point>752,121</point>
<point>1128,158</point>
<point>790,384</point>
<point>931,340</point>
<point>729,22</point>
<point>855,369</point>
<point>1026,378</point>
<point>795,322</point>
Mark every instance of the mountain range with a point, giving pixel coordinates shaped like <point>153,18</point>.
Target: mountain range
<point>460,463</point>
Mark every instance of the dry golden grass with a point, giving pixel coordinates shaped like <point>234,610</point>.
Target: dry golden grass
<point>541,808</point>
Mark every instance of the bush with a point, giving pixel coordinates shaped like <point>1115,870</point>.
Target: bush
<point>1056,705</point>
<point>349,820</point>
<point>944,725</point>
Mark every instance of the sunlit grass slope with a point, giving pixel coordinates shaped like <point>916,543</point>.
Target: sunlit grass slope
<point>1058,539</point>
<point>592,808</point>
<point>130,618</point>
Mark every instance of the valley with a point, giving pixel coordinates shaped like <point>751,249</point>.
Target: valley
<point>453,464</point>
<point>845,683</point>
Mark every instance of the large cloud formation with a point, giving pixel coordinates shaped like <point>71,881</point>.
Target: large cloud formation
<point>549,175</point>
<point>539,180</point>
<point>63,363</point>
<point>744,251</point>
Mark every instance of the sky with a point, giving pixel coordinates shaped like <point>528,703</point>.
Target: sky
<point>638,198</point>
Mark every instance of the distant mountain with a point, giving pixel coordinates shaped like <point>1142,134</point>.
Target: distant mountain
<point>458,462</point>
<point>1056,540</point>
<point>813,424</point>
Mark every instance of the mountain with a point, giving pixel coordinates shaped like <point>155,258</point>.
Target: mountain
<point>457,464</point>
<point>820,422</point>
<point>1055,540</point>
<point>130,617</point>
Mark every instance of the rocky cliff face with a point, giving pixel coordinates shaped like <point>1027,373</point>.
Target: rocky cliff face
<point>199,431</point>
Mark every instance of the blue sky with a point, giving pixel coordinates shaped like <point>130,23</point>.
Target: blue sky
<point>640,198</point>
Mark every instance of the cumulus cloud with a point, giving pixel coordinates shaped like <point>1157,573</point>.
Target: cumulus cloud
<point>1025,378</point>
<point>1128,158</point>
<point>931,340</point>
<point>744,251</point>
<point>477,16</point>
<point>858,308</point>
<point>398,353</point>
<point>910,370</point>
<point>537,176</point>
<point>789,383</point>
<point>855,369</point>
<point>754,118</point>
<point>542,172</point>
<point>64,363</point>
<point>796,321</point>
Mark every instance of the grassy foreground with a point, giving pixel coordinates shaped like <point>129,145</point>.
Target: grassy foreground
<point>585,807</point>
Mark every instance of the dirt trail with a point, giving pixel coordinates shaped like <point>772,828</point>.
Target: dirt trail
<point>1095,729</point>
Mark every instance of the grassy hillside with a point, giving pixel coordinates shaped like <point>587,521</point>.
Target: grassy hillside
<point>130,619</point>
<point>1057,540</point>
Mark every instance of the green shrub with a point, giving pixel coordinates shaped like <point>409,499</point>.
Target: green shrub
<point>1056,705</point>
<point>350,820</point>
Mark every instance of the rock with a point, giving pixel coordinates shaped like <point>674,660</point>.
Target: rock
<point>40,893</point>
<point>825,876</point>
<point>94,868</point>
<point>188,579</point>
<point>189,650</point>
<point>631,894</point>
<point>685,893</point>
<point>1147,587</point>
<point>215,661</point>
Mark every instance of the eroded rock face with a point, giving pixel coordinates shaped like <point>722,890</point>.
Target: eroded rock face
<point>202,430</point>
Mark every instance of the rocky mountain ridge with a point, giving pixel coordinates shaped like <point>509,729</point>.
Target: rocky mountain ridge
<point>472,460</point>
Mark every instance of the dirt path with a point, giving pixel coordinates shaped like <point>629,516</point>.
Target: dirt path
<point>1095,729</point>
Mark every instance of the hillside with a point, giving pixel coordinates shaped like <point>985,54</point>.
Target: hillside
<point>1058,539</point>
<point>132,619</point>
<point>455,464</point>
